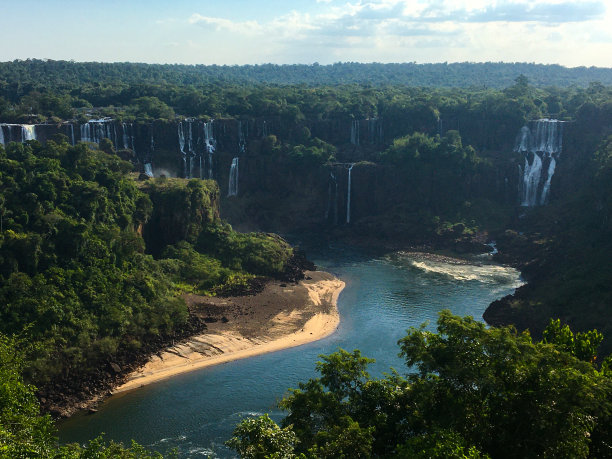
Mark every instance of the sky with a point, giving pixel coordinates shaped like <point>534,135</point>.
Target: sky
<point>567,32</point>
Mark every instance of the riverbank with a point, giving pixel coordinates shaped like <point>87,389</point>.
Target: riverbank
<point>280,317</point>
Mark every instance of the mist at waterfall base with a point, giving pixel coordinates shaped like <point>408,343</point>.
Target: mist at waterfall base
<point>384,295</point>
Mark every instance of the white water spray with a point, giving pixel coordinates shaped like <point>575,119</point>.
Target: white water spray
<point>233,178</point>
<point>544,142</point>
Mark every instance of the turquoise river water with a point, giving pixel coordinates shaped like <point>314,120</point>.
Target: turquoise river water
<point>384,295</point>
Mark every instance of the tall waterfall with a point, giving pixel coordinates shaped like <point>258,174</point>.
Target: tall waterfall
<point>355,132</point>
<point>17,133</point>
<point>28,132</point>
<point>348,195</point>
<point>541,144</point>
<point>196,143</point>
<point>96,130</point>
<point>128,137</point>
<point>185,140</point>
<point>72,139</point>
<point>233,178</point>
<point>211,145</point>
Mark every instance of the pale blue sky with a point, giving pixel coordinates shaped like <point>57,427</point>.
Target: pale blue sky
<point>568,32</point>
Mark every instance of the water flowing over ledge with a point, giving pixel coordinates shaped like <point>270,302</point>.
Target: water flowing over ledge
<point>540,142</point>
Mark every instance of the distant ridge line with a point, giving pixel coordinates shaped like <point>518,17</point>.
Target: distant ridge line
<point>460,75</point>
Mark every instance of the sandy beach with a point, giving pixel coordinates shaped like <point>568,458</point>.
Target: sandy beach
<point>280,317</point>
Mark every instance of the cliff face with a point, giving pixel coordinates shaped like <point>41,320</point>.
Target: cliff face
<point>276,192</point>
<point>181,210</point>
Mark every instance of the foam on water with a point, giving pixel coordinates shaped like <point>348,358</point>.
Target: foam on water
<point>462,270</point>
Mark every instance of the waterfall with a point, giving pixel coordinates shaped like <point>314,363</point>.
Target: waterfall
<point>543,141</point>
<point>148,168</point>
<point>127,136</point>
<point>28,132</point>
<point>190,148</point>
<point>211,144</point>
<point>355,132</point>
<point>181,137</point>
<point>96,130</point>
<point>546,189</point>
<point>72,139</point>
<point>186,145</point>
<point>531,180</point>
<point>2,134</point>
<point>233,178</point>
<point>348,195</point>
<point>210,165</point>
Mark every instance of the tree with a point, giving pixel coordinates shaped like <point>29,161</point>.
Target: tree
<point>471,392</point>
<point>25,433</point>
<point>259,438</point>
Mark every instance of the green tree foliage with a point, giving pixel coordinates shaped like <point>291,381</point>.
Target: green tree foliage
<point>258,253</point>
<point>74,273</point>
<point>150,107</point>
<point>25,433</point>
<point>314,153</point>
<point>470,392</point>
<point>260,438</point>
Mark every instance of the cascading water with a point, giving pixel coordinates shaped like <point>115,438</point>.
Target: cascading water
<point>233,178</point>
<point>127,136</point>
<point>187,147</point>
<point>531,180</point>
<point>96,130</point>
<point>2,134</point>
<point>355,132</point>
<point>72,139</point>
<point>181,137</point>
<point>348,195</point>
<point>190,147</point>
<point>542,144</point>
<point>546,189</point>
<point>211,144</point>
<point>28,132</point>
<point>148,168</point>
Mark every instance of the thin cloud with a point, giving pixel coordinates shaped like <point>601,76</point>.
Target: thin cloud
<point>455,29</point>
<point>541,12</point>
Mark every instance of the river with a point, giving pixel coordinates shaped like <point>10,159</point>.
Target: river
<point>384,295</point>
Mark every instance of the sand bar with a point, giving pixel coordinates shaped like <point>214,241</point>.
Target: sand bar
<point>282,316</point>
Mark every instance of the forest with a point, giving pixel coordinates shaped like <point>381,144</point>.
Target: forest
<point>94,254</point>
